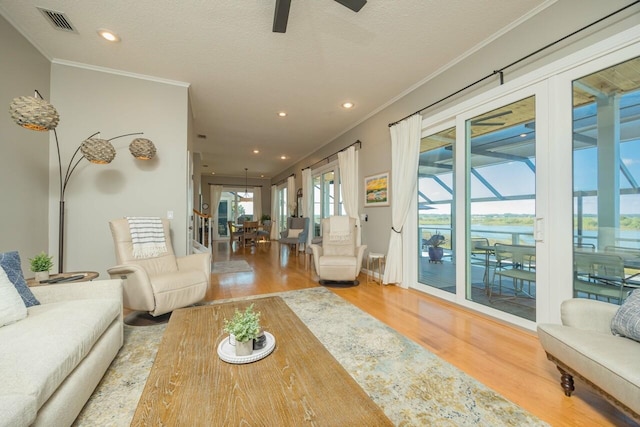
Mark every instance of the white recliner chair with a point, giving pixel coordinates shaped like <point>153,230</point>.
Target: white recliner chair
<point>338,260</point>
<point>158,284</point>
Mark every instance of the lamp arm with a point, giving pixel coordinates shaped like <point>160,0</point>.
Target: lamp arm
<point>126,134</point>
<point>70,169</point>
<point>59,164</point>
<point>69,172</point>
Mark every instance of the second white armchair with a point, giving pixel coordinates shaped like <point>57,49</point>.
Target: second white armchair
<point>338,260</point>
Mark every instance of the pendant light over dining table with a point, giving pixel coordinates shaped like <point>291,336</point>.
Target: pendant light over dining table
<point>246,197</point>
<point>35,113</point>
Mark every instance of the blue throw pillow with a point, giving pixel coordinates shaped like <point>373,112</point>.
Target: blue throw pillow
<point>10,262</point>
<point>626,321</point>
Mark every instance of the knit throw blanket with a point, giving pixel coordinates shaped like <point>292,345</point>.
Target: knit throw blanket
<point>147,236</point>
<point>339,228</point>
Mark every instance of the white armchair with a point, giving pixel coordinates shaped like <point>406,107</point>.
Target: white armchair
<point>338,259</point>
<point>158,284</point>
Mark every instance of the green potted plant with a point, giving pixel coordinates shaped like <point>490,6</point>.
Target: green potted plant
<point>40,265</point>
<point>244,327</point>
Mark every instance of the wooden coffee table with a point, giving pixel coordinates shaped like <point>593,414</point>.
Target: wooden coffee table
<point>300,383</point>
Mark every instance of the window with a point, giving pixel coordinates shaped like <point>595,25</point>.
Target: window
<point>326,195</point>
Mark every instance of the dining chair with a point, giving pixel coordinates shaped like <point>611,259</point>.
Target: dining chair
<point>234,233</point>
<point>264,232</point>
<point>599,275</point>
<point>249,232</point>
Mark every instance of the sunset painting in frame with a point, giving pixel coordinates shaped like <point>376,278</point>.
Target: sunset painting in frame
<point>376,190</point>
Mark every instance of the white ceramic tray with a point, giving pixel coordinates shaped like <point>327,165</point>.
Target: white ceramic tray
<point>227,352</point>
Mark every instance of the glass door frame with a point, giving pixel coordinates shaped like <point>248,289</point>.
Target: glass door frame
<point>612,52</point>
<point>337,203</point>
<point>552,86</point>
<point>460,197</point>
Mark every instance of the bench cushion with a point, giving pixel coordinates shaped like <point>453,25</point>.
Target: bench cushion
<point>608,361</point>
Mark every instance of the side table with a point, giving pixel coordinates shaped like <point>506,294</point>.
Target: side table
<point>66,278</point>
<point>375,261</point>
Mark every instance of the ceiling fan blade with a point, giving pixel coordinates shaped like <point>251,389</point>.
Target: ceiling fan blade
<point>281,16</point>
<point>354,5</point>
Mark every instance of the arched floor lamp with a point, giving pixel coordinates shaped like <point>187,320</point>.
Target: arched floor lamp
<point>35,113</point>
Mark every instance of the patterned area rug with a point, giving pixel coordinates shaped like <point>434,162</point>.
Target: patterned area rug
<point>411,385</point>
<point>224,267</point>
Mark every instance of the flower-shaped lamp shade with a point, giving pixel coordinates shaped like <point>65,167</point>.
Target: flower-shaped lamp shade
<point>33,113</point>
<point>98,150</point>
<point>142,149</point>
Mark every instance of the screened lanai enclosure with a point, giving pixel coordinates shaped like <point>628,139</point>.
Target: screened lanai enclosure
<point>499,213</point>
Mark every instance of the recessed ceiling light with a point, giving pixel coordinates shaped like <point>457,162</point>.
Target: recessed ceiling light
<point>256,151</point>
<point>348,105</point>
<point>261,176</point>
<point>523,135</point>
<point>283,157</point>
<point>213,173</point>
<point>282,114</point>
<point>109,35</point>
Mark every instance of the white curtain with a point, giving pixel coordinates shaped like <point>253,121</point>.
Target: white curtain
<point>307,200</point>
<point>291,195</point>
<point>405,149</point>
<point>275,220</point>
<point>257,203</point>
<point>348,164</point>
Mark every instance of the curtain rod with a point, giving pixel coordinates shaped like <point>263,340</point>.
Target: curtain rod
<point>233,185</point>
<point>293,174</point>
<point>339,151</point>
<point>501,70</point>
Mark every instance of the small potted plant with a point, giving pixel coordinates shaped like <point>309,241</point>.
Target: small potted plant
<point>435,251</point>
<point>40,265</point>
<point>245,327</point>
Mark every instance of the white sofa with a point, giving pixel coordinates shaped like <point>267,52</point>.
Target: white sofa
<point>51,361</point>
<point>584,346</point>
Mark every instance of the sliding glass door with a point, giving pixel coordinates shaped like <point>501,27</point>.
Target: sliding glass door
<point>436,213</point>
<point>476,207</point>
<point>606,177</point>
<point>501,206</point>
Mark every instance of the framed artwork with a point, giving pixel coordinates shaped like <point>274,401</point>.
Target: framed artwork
<point>376,190</point>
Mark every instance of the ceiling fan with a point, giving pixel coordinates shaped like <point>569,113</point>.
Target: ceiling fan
<point>482,121</point>
<point>281,15</point>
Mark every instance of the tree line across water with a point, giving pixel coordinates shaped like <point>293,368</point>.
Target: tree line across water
<point>589,222</point>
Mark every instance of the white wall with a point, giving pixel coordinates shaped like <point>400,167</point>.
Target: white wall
<point>91,100</point>
<point>554,22</point>
<point>24,154</point>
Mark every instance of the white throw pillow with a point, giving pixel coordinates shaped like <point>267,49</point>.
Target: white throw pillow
<point>12,307</point>
<point>294,233</point>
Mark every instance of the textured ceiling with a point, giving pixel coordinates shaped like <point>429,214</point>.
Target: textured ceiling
<point>242,74</point>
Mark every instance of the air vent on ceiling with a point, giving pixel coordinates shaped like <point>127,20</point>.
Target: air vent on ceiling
<point>58,19</point>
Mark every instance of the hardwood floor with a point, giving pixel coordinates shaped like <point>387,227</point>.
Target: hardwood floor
<point>506,359</point>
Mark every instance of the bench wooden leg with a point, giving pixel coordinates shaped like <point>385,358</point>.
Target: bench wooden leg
<point>566,381</point>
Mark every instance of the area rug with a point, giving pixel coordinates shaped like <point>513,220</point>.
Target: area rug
<point>224,267</point>
<point>411,385</point>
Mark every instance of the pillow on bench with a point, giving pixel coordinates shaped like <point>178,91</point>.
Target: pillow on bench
<point>10,262</point>
<point>626,321</point>
<point>12,307</point>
